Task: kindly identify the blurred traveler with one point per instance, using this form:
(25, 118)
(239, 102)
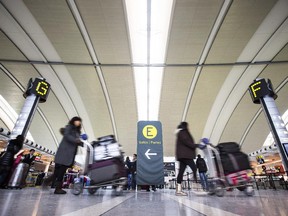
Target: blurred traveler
(185, 154)
(133, 171)
(7, 158)
(202, 169)
(66, 153)
(129, 175)
(152, 186)
(29, 158)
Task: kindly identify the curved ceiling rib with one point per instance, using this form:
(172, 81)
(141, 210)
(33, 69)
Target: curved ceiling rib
(266, 43)
(21, 28)
(218, 22)
(75, 11)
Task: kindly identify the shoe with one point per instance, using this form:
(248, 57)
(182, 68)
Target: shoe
(58, 188)
(179, 191)
(59, 191)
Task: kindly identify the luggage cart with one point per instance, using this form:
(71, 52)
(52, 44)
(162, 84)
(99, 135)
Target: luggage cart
(218, 182)
(117, 182)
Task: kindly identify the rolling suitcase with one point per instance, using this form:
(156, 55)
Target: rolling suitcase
(17, 179)
(108, 170)
(106, 150)
(228, 147)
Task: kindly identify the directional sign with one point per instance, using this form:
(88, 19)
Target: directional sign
(150, 168)
(147, 154)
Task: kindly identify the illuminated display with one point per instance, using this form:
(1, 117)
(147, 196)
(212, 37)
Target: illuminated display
(261, 88)
(38, 87)
(42, 88)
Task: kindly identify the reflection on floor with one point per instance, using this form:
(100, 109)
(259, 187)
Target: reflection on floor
(33, 201)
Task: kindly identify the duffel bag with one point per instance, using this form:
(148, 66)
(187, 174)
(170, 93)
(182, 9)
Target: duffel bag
(228, 147)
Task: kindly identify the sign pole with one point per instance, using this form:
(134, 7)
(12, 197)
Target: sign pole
(150, 165)
(37, 91)
(262, 92)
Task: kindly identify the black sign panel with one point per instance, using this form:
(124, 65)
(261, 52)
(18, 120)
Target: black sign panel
(38, 87)
(260, 88)
(150, 153)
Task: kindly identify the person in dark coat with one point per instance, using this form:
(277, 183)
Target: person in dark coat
(129, 175)
(133, 170)
(66, 153)
(185, 154)
(202, 169)
(7, 159)
(29, 158)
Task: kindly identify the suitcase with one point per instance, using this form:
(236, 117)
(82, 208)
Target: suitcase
(18, 177)
(227, 164)
(242, 160)
(235, 162)
(108, 170)
(228, 147)
(104, 152)
(107, 138)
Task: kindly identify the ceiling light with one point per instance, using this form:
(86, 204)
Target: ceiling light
(148, 30)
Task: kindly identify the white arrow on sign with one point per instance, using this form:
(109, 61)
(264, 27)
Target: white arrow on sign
(148, 154)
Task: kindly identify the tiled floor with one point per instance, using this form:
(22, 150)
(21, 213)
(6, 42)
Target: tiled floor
(33, 201)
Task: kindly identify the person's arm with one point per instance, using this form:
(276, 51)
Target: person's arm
(187, 140)
(70, 138)
(20, 152)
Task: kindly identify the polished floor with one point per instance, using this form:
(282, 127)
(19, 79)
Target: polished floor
(35, 202)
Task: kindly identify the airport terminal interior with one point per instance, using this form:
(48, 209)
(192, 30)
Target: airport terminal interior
(135, 72)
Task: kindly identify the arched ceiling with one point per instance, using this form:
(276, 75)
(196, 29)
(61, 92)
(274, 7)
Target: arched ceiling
(215, 49)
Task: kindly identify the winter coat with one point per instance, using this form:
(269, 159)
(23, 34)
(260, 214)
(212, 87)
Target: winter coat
(68, 146)
(185, 146)
(7, 158)
(201, 165)
(28, 160)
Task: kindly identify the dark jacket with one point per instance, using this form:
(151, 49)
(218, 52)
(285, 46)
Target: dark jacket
(68, 146)
(201, 165)
(28, 160)
(133, 167)
(7, 158)
(185, 146)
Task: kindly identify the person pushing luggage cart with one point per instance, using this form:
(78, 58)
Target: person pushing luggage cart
(66, 153)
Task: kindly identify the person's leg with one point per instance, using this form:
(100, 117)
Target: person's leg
(133, 182)
(192, 165)
(3, 176)
(59, 179)
(202, 179)
(129, 181)
(182, 167)
(205, 181)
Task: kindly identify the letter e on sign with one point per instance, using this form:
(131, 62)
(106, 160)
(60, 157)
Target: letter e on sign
(149, 132)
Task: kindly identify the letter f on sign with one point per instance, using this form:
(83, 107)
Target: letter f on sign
(254, 88)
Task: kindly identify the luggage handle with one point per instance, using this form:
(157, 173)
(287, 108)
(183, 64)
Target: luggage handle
(87, 145)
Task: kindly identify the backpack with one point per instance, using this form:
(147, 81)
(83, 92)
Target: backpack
(201, 165)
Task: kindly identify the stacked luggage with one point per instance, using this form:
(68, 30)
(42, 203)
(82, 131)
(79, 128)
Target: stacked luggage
(234, 162)
(106, 148)
(108, 162)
